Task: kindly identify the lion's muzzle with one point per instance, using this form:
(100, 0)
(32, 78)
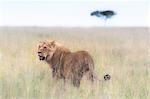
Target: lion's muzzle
(41, 57)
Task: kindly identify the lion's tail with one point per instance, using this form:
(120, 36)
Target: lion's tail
(91, 74)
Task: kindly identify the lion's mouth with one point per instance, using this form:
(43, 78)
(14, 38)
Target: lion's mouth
(41, 57)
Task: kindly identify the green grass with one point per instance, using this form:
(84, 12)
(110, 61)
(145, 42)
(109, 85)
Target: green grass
(124, 53)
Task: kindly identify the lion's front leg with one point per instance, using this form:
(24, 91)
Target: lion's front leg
(56, 74)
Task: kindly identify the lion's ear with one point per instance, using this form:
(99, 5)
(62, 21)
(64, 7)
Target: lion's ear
(39, 43)
(42, 42)
(53, 43)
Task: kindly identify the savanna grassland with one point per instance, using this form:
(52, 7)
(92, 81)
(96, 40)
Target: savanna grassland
(124, 53)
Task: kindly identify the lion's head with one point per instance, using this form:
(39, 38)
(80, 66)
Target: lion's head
(46, 50)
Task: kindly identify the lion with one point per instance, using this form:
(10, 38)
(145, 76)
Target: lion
(65, 64)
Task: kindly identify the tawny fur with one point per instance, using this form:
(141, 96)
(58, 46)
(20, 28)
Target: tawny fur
(68, 65)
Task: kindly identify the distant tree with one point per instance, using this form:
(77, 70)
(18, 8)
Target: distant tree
(106, 14)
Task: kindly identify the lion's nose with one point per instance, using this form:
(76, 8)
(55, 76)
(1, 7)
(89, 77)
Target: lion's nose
(39, 52)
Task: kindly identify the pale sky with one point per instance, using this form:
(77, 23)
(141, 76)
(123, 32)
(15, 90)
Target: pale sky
(72, 13)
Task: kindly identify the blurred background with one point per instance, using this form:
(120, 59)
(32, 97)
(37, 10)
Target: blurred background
(75, 13)
(119, 44)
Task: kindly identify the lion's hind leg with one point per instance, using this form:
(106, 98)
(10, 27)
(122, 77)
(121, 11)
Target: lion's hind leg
(77, 79)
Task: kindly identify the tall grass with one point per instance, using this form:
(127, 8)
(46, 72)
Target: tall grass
(124, 53)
